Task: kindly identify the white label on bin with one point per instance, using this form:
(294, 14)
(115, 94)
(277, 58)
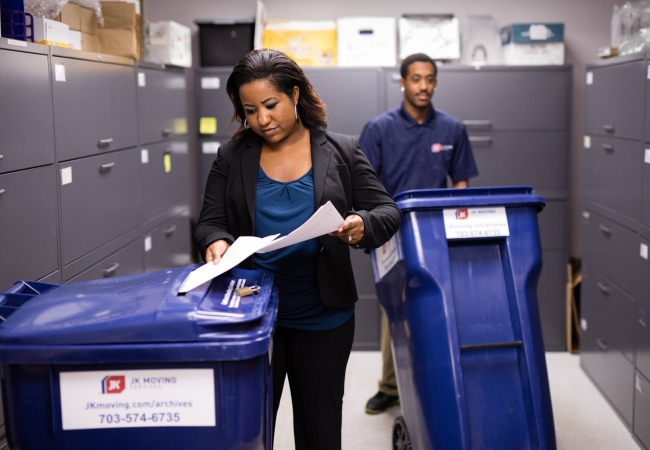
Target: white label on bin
(648, 72)
(590, 78)
(467, 223)
(583, 324)
(66, 176)
(587, 142)
(142, 79)
(59, 72)
(211, 147)
(643, 251)
(210, 83)
(647, 156)
(386, 257)
(144, 156)
(137, 399)
(147, 243)
(639, 384)
(18, 43)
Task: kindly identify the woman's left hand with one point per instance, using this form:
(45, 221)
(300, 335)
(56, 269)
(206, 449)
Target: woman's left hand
(351, 232)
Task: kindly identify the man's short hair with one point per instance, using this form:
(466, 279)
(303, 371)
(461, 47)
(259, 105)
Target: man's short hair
(417, 57)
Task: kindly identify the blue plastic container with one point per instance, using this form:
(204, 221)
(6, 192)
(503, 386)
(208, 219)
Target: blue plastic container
(464, 322)
(134, 337)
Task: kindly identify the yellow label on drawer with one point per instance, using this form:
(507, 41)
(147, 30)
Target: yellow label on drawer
(167, 159)
(208, 125)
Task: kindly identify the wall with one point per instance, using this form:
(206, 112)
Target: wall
(587, 27)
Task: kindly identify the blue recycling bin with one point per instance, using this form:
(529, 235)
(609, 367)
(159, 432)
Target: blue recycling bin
(458, 284)
(128, 363)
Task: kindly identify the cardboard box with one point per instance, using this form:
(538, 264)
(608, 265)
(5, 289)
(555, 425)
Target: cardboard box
(119, 42)
(310, 44)
(74, 37)
(550, 54)
(89, 24)
(526, 33)
(71, 15)
(119, 15)
(50, 31)
(90, 43)
(168, 43)
(366, 41)
(434, 35)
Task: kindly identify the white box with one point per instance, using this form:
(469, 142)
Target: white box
(439, 38)
(74, 38)
(168, 43)
(521, 54)
(366, 41)
(50, 30)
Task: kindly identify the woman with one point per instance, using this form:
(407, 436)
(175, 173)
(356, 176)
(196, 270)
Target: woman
(279, 167)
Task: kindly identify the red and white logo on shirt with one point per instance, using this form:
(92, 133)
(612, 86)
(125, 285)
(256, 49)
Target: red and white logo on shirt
(437, 148)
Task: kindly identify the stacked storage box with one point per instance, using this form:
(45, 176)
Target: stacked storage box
(615, 343)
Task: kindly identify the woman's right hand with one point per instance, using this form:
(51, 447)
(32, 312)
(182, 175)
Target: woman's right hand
(215, 251)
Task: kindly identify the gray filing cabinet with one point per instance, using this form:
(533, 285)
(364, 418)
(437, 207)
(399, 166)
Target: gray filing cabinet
(517, 119)
(616, 236)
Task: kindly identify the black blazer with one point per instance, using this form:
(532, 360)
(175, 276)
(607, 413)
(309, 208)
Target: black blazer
(342, 175)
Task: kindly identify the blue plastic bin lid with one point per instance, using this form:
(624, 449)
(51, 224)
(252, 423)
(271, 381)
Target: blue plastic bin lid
(139, 318)
(435, 199)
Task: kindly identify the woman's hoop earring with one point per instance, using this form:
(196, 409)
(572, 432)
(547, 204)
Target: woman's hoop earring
(246, 126)
(401, 89)
(295, 109)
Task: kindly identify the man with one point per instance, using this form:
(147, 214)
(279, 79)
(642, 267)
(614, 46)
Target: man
(414, 146)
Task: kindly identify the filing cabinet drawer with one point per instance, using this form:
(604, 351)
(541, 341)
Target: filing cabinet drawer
(95, 108)
(28, 225)
(213, 101)
(613, 174)
(161, 104)
(27, 125)
(642, 330)
(615, 252)
(164, 177)
(609, 369)
(100, 203)
(168, 246)
(615, 100)
(351, 95)
(642, 409)
(553, 223)
(515, 159)
(609, 309)
(127, 261)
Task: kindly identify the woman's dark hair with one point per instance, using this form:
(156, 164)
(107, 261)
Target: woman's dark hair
(417, 57)
(284, 74)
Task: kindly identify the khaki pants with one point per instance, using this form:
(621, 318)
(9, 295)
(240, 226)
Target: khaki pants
(388, 382)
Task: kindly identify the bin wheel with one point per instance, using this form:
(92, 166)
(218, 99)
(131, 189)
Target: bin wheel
(401, 438)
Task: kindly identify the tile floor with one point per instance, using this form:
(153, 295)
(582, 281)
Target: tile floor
(583, 418)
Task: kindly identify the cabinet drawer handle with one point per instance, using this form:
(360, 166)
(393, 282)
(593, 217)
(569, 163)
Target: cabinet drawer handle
(2, 191)
(609, 128)
(603, 288)
(605, 230)
(105, 167)
(603, 346)
(111, 270)
(478, 123)
(642, 322)
(167, 131)
(104, 142)
(608, 147)
(170, 230)
(481, 140)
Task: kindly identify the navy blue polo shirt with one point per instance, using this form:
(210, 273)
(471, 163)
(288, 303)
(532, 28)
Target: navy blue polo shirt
(407, 155)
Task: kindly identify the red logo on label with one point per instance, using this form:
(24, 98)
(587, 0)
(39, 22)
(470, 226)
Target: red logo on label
(436, 148)
(462, 214)
(114, 384)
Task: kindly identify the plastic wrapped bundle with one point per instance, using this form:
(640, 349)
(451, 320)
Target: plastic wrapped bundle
(49, 9)
(628, 19)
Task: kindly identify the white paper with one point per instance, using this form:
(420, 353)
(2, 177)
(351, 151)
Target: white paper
(647, 156)
(137, 399)
(326, 220)
(59, 72)
(643, 251)
(467, 223)
(590, 78)
(211, 148)
(147, 243)
(210, 83)
(144, 156)
(142, 79)
(587, 142)
(66, 176)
